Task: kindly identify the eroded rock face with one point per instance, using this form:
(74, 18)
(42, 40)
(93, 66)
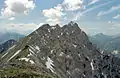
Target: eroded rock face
(65, 52)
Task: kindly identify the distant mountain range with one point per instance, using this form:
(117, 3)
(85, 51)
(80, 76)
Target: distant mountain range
(7, 40)
(7, 36)
(57, 52)
(100, 40)
(5, 46)
(106, 42)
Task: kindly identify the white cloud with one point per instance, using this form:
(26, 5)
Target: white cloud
(12, 18)
(15, 7)
(109, 22)
(6, 12)
(112, 9)
(73, 4)
(53, 21)
(117, 16)
(93, 28)
(93, 1)
(112, 28)
(114, 24)
(54, 14)
(21, 28)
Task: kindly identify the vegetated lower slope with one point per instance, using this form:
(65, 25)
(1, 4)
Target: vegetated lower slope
(58, 52)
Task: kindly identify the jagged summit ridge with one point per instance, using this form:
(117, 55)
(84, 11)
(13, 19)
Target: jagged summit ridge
(47, 33)
(64, 52)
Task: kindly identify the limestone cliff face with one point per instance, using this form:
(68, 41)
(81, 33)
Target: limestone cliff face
(63, 52)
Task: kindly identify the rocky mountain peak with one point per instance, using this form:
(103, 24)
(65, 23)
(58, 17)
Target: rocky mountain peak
(62, 52)
(71, 23)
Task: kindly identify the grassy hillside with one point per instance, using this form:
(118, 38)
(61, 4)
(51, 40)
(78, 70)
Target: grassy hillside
(21, 73)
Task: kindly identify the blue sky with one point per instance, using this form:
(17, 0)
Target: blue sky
(93, 16)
